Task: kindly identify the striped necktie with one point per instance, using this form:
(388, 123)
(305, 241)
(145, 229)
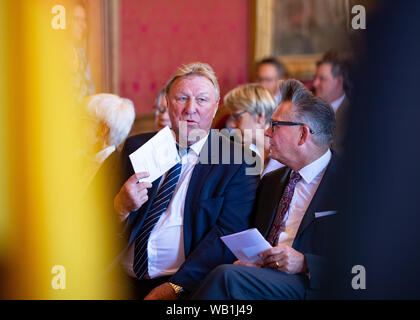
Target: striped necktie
(159, 206)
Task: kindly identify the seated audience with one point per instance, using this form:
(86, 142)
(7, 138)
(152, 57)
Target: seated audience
(331, 83)
(294, 207)
(174, 224)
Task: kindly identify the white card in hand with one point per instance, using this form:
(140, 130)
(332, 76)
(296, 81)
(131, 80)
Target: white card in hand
(246, 245)
(156, 156)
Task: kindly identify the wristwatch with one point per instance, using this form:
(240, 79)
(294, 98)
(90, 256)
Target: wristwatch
(178, 289)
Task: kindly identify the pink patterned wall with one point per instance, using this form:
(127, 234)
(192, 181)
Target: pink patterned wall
(158, 36)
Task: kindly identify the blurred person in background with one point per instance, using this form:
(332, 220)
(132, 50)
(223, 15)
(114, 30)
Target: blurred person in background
(161, 111)
(270, 71)
(251, 107)
(110, 122)
(82, 76)
(331, 83)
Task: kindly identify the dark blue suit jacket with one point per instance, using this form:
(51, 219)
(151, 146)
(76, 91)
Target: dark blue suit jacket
(219, 201)
(314, 236)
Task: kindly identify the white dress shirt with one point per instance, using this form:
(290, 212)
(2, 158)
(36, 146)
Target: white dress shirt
(272, 165)
(336, 103)
(304, 192)
(165, 248)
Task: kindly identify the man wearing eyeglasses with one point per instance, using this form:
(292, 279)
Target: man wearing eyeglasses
(295, 207)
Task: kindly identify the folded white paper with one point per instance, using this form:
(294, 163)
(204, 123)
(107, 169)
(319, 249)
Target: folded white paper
(156, 156)
(246, 245)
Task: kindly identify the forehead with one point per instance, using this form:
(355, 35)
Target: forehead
(192, 84)
(267, 69)
(283, 112)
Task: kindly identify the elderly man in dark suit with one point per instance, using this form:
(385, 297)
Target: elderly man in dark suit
(295, 207)
(174, 224)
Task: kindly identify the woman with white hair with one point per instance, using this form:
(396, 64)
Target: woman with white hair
(111, 119)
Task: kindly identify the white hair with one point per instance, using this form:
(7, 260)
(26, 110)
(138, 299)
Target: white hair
(115, 113)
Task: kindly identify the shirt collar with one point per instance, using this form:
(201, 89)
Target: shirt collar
(313, 169)
(197, 146)
(336, 103)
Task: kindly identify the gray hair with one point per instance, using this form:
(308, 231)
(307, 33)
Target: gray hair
(311, 110)
(195, 68)
(253, 98)
(114, 112)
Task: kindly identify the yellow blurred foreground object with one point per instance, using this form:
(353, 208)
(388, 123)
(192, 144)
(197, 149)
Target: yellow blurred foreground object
(53, 245)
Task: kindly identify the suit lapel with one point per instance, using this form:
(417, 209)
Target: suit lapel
(322, 199)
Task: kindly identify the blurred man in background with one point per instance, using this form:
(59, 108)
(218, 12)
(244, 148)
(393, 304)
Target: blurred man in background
(269, 73)
(331, 83)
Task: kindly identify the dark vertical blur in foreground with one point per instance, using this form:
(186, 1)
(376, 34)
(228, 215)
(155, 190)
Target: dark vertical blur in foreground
(379, 228)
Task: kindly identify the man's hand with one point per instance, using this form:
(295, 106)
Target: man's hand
(284, 258)
(133, 195)
(248, 264)
(162, 292)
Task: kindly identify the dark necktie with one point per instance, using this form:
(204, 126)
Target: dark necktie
(159, 206)
(278, 224)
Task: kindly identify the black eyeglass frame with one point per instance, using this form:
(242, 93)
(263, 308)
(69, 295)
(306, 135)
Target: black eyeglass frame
(288, 123)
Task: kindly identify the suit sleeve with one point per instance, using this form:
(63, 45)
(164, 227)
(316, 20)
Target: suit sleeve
(235, 216)
(316, 266)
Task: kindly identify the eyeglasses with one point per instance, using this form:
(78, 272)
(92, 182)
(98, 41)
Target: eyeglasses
(288, 123)
(236, 116)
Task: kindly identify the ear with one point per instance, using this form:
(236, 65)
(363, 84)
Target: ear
(304, 135)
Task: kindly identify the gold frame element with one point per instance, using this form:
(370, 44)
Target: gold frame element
(111, 34)
(301, 67)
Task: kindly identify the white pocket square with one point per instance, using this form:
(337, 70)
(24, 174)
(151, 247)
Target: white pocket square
(324, 213)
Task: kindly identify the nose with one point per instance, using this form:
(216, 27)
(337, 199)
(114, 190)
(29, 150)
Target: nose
(190, 106)
(267, 132)
(316, 82)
